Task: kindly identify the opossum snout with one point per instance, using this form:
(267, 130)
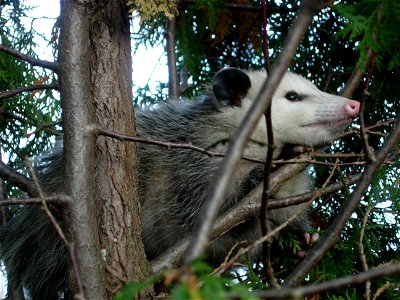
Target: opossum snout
(351, 108)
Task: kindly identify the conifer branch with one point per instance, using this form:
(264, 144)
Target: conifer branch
(13, 116)
(11, 93)
(33, 61)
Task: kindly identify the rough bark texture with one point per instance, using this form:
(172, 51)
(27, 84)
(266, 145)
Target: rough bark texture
(116, 182)
(78, 116)
(95, 62)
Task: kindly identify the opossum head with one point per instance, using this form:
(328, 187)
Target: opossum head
(301, 113)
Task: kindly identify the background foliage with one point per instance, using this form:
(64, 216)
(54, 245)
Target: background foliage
(27, 120)
(212, 34)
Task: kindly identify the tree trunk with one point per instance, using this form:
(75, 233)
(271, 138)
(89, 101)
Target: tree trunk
(116, 180)
(95, 60)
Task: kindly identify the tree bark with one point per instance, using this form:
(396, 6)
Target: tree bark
(103, 219)
(116, 167)
(78, 117)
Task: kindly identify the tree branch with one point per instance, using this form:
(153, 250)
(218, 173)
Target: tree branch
(367, 150)
(18, 180)
(36, 62)
(171, 58)
(253, 8)
(363, 258)
(356, 76)
(57, 199)
(10, 115)
(8, 94)
(265, 228)
(168, 145)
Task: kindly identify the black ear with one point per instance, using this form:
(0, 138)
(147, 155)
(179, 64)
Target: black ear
(231, 86)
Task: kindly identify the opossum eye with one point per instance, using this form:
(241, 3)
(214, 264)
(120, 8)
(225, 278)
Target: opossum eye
(293, 96)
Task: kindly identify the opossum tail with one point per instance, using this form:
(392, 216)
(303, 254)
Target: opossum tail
(33, 254)
(30, 248)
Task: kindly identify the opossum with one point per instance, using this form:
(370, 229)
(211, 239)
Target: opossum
(174, 184)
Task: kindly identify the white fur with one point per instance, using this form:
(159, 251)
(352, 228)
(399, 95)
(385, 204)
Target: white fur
(315, 120)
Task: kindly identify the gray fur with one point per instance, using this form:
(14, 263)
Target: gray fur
(174, 184)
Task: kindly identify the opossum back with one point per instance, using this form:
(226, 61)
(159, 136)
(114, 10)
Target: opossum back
(173, 184)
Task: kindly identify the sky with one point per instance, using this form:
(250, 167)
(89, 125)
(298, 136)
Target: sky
(149, 64)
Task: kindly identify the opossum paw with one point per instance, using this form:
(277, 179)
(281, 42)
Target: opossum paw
(291, 151)
(298, 149)
(308, 240)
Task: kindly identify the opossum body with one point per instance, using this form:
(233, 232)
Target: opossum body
(174, 184)
(173, 195)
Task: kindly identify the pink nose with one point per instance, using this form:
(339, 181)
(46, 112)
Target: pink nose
(352, 108)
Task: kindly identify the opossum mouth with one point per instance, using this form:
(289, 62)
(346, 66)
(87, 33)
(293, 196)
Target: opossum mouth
(331, 123)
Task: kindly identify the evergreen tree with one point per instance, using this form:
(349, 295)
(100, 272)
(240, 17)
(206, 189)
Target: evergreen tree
(351, 40)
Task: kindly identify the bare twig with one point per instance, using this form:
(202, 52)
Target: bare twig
(265, 228)
(336, 155)
(200, 238)
(11, 93)
(265, 35)
(368, 128)
(168, 145)
(36, 62)
(363, 259)
(57, 199)
(3, 197)
(171, 57)
(367, 150)
(356, 76)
